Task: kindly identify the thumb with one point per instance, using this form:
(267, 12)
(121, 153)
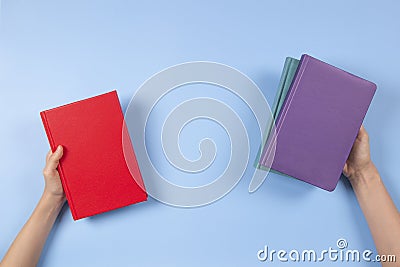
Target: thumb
(55, 158)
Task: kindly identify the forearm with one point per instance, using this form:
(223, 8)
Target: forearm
(28, 245)
(379, 210)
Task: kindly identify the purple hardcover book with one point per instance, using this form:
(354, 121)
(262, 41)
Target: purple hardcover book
(319, 122)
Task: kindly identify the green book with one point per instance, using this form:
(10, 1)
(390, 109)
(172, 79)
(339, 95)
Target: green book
(287, 76)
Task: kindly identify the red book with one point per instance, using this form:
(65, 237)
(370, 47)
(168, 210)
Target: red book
(94, 169)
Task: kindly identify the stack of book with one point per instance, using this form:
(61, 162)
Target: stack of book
(318, 112)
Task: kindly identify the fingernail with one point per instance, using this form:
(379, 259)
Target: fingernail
(59, 148)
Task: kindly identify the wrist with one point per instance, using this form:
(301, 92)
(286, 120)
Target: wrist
(364, 177)
(56, 199)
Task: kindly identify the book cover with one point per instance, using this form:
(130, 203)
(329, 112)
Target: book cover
(318, 122)
(93, 170)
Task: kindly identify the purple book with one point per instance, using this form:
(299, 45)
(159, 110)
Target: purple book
(319, 122)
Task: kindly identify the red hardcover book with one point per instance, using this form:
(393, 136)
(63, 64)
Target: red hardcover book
(93, 170)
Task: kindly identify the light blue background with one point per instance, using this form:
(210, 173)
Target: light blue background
(55, 52)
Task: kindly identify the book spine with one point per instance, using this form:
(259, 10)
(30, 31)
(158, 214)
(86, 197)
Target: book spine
(53, 147)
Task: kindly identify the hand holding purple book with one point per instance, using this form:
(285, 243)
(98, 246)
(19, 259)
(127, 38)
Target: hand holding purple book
(318, 123)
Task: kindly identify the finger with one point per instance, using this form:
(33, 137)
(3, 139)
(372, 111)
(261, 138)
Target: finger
(48, 155)
(362, 129)
(362, 133)
(344, 171)
(55, 158)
